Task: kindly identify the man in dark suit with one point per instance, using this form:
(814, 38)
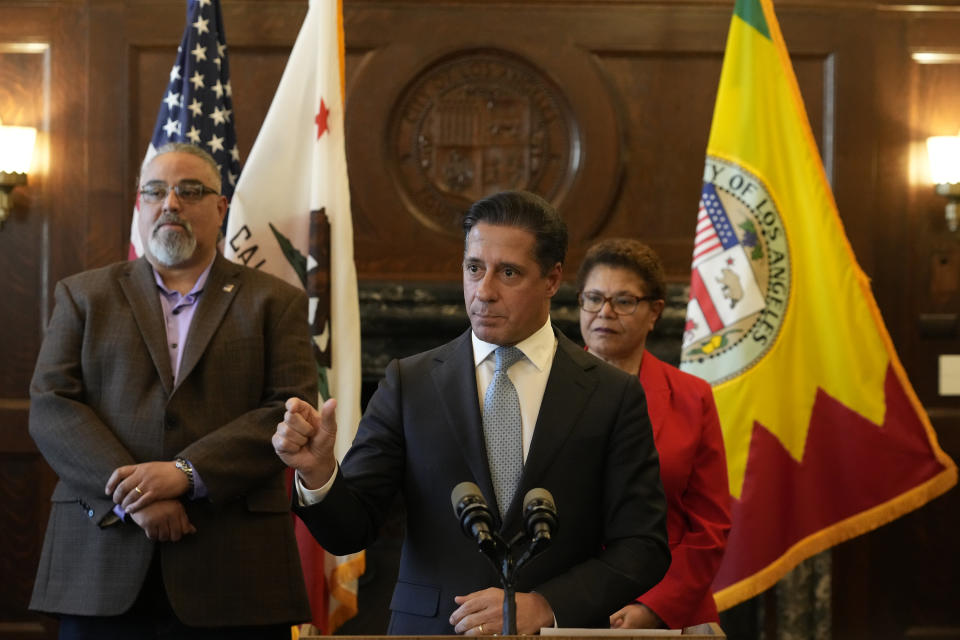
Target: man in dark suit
(156, 391)
(584, 433)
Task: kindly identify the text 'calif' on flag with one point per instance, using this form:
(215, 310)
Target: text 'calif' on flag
(197, 107)
(291, 217)
(825, 437)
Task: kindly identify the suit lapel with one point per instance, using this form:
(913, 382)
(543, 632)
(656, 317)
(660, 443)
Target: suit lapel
(140, 288)
(565, 395)
(455, 379)
(221, 288)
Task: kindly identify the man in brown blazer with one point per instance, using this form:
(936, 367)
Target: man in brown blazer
(156, 391)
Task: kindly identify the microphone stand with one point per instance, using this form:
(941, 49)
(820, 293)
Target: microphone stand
(498, 553)
(476, 521)
(501, 558)
(508, 575)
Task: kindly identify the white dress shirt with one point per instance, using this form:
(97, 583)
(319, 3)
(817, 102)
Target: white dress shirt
(528, 375)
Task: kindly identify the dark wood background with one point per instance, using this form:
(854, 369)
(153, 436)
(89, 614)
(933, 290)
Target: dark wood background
(637, 80)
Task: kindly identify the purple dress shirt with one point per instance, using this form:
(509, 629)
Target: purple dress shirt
(178, 313)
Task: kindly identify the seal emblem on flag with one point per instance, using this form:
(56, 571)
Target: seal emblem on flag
(740, 275)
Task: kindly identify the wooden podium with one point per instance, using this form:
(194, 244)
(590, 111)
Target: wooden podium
(709, 631)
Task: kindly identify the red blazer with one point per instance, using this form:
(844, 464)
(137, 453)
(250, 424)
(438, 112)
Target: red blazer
(693, 468)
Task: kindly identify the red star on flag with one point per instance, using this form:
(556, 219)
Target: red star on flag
(321, 119)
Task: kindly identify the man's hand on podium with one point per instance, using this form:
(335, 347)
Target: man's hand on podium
(481, 613)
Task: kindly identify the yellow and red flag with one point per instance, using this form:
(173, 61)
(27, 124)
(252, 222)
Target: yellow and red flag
(825, 437)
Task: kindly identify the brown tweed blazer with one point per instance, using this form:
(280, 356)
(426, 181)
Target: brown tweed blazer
(102, 396)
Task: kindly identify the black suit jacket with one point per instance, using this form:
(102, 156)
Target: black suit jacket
(592, 448)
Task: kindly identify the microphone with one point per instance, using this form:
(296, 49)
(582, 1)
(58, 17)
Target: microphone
(476, 521)
(540, 515)
(474, 515)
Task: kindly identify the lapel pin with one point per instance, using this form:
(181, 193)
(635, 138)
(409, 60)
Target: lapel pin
(228, 288)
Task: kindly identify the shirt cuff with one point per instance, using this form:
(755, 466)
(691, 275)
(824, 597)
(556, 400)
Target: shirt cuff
(307, 497)
(115, 516)
(199, 488)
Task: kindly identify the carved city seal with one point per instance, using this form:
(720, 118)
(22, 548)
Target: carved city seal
(475, 123)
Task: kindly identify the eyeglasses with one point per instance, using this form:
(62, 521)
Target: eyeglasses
(187, 190)
(622, 304)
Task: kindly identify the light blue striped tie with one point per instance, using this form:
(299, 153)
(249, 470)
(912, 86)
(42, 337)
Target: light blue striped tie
(502, 430)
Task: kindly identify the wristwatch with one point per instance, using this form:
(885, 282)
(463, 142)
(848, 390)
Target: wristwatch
(184, 465)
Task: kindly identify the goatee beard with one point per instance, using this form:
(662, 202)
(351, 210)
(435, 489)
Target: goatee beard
(171, 246)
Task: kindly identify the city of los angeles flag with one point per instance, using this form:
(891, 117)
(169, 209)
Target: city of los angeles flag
(825, 437)
(290, 216)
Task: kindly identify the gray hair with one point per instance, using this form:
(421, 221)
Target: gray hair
(186, 147)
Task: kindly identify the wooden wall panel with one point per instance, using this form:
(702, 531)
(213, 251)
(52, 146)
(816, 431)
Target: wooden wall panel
(661, 189)
(25, 488)
(107, 127)
(41, 85)
(932, 256)
(24, 101)
(897, 581)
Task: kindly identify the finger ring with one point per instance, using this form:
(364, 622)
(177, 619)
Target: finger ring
(481, 629)
(137, 489)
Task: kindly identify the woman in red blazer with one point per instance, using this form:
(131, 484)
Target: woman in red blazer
(622, 292)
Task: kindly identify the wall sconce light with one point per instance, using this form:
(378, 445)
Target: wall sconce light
(16, 154)
(944, 154)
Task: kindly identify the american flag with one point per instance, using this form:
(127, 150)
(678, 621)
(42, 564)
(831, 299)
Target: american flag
(198, 107)
(714, 231)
